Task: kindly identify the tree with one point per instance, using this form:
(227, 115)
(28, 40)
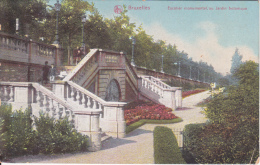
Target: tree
(29, 12)
(231, 136)
(223, 81)
(236, 61)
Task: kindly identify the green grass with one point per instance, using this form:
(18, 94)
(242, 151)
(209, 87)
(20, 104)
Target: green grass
(141, 122)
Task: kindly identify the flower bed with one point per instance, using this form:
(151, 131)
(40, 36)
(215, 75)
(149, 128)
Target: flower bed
(148, 111)
(188, 93)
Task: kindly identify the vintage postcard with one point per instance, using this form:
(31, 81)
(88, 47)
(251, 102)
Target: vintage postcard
(129, 82)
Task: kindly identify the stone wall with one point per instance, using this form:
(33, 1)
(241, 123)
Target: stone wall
(20, 72)
(176, 81)
(105, 76)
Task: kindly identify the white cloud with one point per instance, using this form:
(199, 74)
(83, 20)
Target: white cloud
(206, 47)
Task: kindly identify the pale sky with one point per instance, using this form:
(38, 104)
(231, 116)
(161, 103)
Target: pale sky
(208, 35)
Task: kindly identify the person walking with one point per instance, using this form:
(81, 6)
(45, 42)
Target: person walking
(45, 73)
(52, 73)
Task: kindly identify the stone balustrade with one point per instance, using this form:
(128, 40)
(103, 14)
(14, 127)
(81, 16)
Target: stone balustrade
(112, 113)
(15, 48)
(158, 82)
(38, 100)
(159, 92)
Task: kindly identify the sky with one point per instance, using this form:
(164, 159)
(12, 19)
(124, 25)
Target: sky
(208, 35)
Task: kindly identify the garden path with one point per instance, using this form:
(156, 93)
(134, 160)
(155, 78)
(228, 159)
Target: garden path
(136, 147)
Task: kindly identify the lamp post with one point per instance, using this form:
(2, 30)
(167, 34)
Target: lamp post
(198, 74)
(179, 69)
(83, 20)
(133, 45)
(17, 26)
(57, 9)
(162, 65)
(190, 72)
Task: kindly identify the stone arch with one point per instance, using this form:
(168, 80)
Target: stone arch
(113, 92)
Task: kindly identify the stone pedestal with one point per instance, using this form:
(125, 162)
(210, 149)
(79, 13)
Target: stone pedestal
(87, 123)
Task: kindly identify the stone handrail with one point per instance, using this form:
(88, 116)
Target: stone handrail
(80, 65)
(39, 98)
(160, 92)
(158, 82)
(112, 120)
(131, 69)
(152, 86)
(83, 96)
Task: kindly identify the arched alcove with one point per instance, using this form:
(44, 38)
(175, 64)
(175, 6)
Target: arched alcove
(113, 91)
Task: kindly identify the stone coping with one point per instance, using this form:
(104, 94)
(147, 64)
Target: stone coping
(95, 97)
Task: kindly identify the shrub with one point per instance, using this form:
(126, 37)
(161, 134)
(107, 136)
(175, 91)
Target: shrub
(166, 150)
(232, 134)
(58, 136)
(17, 136)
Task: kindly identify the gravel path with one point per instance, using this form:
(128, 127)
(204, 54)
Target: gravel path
(135, 148)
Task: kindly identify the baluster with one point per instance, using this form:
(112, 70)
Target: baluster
(72, 93)
(38, 98)
(99, 106)
(100, 109)
(54, 105)
(89, 103)
(69, 114)
(57, 111)
(152, 87)
(51, 107)
(143, 83)
(94, 104)
(63, 112)
(161, 92)
(83, 101)
(11, 94)
(78, 96)
(5, 93)
(45, 103)
(1, 93)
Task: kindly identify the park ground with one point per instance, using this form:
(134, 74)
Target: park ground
(135, 148)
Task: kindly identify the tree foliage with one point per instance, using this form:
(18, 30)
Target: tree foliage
(236, 61)
(232, 134)
(114, 34)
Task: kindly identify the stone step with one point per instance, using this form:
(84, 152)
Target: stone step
(104, 136)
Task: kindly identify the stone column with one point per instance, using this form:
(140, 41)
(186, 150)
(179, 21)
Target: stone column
(121, 125)
(95, 134)
(113, 122)
(179, 96)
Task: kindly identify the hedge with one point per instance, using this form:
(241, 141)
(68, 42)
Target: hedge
(166, 149)
(141, 122)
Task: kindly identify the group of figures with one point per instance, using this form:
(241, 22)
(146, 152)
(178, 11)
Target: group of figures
(77, 55)
(48, 73)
